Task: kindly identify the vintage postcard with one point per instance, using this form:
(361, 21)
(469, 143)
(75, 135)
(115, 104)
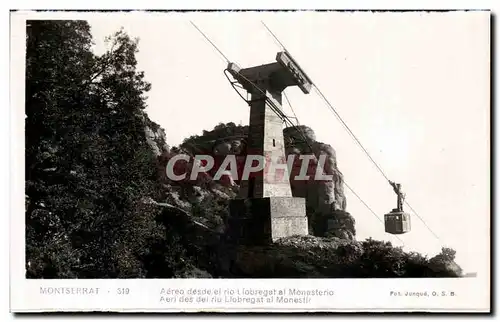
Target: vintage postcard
(250, 161)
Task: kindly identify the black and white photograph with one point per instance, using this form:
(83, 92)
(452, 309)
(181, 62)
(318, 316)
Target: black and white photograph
(253, 149)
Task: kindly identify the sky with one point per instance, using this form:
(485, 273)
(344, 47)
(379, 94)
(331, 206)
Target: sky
(414, 88)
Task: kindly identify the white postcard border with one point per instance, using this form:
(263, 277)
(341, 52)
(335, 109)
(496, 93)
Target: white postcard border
(359, 295)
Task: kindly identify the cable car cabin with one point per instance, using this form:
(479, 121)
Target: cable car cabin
(397, 222)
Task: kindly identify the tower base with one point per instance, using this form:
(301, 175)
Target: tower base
(260, 221)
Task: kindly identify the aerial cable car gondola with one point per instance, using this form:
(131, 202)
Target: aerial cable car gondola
(397, 221)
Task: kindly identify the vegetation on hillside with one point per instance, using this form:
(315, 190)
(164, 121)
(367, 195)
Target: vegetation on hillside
(87, 164)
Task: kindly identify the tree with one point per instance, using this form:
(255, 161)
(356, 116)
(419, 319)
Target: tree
(443, 264)
(88, 165)
(58, 61)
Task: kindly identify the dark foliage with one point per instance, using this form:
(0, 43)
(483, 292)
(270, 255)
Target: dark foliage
(87, 162)
(382, 259)
(295, 257)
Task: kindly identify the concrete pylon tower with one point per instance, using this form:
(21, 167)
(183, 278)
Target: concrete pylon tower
(265, 209)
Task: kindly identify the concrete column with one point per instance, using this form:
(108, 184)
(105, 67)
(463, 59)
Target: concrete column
(265, 138)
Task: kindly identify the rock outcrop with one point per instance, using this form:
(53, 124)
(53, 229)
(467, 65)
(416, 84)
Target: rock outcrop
(325, 198)
(323, 195)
